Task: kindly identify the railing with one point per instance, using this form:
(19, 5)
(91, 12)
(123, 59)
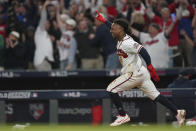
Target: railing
(64, 73)
(54, 106)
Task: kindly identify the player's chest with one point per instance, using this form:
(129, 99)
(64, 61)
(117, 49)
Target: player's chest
(121, 52)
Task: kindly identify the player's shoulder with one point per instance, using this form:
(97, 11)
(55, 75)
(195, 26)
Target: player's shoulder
(127, 39)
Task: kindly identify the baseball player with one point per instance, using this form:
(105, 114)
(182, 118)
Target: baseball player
(134, 74)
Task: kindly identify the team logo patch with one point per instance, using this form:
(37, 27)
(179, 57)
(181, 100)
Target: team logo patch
(121, 53)
(36, 110)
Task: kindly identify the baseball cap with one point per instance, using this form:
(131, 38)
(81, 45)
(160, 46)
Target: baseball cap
(16, 34)
(64, 17)
(71, 22)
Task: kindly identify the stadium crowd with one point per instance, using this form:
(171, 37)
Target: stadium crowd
(63, 34)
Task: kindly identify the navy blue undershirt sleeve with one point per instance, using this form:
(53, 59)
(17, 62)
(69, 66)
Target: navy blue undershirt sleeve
(143, 52)
(108, 24)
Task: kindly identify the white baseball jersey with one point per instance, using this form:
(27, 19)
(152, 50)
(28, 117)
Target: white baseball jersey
(127, 50)
(134, 74)
(158, 49)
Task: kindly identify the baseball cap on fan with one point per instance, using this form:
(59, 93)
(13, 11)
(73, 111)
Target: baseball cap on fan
(64, 17)
(16, 34)
(71, 22)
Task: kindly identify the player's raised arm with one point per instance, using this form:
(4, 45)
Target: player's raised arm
(100, 18)
(143, 52)
(135, 32)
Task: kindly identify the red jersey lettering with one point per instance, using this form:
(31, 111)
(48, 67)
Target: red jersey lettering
(151, 42)
(121, 53)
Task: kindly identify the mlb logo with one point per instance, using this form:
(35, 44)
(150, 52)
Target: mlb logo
(36, 110)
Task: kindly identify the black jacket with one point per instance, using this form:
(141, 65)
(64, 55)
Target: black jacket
(14, 57)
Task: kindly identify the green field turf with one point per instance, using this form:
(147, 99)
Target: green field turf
(97, 128)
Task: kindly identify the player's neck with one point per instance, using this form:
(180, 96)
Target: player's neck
(121, 36)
